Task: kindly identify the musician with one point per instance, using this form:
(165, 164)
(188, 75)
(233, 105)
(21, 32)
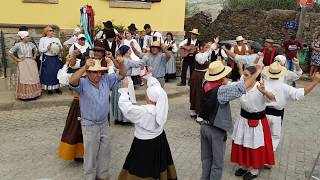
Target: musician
(190, 45)
(150, 37)
(240, 49)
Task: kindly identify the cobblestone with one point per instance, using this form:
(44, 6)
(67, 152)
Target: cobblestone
(30, 138)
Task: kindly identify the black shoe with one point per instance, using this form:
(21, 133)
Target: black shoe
(240, 172)
(193, 116)
(293, 84)
(116, 122)
(249, 176)
(80, 160)
(58, 91)
(181, 84)
(49, 92)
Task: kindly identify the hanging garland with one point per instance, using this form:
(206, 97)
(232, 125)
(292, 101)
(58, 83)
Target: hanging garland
(87, 23)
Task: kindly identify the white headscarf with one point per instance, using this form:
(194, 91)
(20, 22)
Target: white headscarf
(23, 34)
(282, 59)
(157, 94)
(76, 30)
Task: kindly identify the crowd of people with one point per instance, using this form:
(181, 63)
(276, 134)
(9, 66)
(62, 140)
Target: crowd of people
(103, 78)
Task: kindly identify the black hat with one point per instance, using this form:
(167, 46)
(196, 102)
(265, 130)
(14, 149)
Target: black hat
(110, 33)
(108, 24)
(132, 27)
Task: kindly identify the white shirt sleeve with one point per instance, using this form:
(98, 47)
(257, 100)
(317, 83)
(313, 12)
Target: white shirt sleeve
(174, 48)
(224, 54)
(184, 42)
(292, 76)
(294, 94)
(71, 49)
(42, 45)
(132, 112)
(244, 59)
(201, 58)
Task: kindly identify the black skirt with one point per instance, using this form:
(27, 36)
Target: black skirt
(149, 159)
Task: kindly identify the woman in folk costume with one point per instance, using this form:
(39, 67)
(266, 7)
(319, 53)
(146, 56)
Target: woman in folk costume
(50, 47)
(71, 145)
(28, 83)
(251, 139)
(125, 53)
(171, 64)
(196, 91)
(150, 155)
(135, 55)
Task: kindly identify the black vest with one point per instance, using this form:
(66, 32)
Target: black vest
(210, 105)
(113, 47)
(189, 42)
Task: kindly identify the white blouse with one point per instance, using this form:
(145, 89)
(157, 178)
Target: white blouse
(45, 42)
(283, 93)
(144, 117)
(253, 101)
(201, 58)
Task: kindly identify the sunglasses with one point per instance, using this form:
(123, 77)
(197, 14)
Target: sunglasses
(51, 30)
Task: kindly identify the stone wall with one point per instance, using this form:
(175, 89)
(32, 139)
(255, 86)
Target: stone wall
(252, 24)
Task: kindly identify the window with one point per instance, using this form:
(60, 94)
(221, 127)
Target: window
(135, 4)
(41, 1)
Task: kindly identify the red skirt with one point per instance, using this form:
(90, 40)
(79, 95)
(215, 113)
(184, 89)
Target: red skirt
(255, 158)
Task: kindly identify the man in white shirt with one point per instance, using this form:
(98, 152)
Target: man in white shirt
(252, 59)
(189, 58)
(283, 94)
(150, 36)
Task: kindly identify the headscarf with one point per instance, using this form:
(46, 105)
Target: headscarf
(123, 49)
(157, 94)
(23, 34)
(281, 58)
(76, 30)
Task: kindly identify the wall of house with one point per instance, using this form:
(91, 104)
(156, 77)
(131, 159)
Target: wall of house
(167, 15)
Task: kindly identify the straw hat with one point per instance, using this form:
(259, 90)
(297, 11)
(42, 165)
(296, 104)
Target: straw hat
(239, 38)
(195, 31)
(155, 44)
(275, 71)
(216, 71)
(269, 41)
(97, 66)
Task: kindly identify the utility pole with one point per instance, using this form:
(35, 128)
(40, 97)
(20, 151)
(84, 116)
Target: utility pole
(299, 35)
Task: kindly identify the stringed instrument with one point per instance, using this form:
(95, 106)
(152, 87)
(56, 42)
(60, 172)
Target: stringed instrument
(189, 50)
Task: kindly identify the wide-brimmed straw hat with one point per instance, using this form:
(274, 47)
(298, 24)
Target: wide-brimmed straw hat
(239, 38)
(195, 31)
(275, 71)
(216, 71)
(97, 66)
(155, 44)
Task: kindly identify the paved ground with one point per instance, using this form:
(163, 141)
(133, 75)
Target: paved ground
(29, 140)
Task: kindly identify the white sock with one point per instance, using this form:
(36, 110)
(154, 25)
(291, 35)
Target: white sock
(254, 171)
(192, 113)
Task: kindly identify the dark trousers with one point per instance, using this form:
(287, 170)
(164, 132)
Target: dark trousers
(187, 62)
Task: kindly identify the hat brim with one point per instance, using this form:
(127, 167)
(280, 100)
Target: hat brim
(239, 40)
(266, 72)
(194, 33)
(226, 71)
(98, 49)
(155, 47)
(97, 69)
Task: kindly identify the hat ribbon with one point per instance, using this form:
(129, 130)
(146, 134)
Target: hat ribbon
(218, 72)
(275, 72)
